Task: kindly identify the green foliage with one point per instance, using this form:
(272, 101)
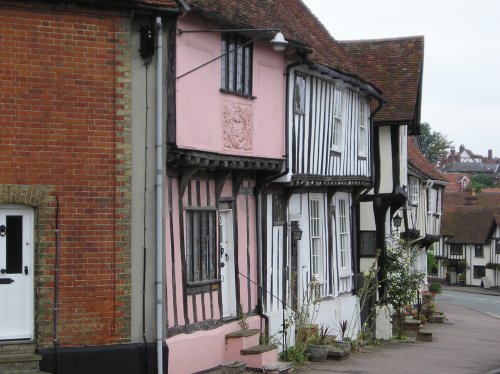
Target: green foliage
(434, 144)
(435, 288)
(481, 181)
(432, 263)
(402, 277)
(295, 354)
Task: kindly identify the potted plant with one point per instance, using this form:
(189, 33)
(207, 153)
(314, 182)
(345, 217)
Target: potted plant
(435, 288)
(317, 348)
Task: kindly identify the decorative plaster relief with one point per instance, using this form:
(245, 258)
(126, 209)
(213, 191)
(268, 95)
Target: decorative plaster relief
(237, 126)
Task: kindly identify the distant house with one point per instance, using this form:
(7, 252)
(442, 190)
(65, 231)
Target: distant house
(469, 249)
(462, 166)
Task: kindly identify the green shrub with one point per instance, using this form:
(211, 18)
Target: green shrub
(435, 288)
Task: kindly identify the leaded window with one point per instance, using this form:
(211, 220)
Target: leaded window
(456, 249)
(201, 249)
(478, 250)
(236, 64)
(479, 271)
(299, 95)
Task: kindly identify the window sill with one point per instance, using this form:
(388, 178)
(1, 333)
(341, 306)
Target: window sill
(240, 94)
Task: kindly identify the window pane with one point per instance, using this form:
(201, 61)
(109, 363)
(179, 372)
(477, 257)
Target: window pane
(14, 244)
(236, 64)
(315, 232)
(201, 250)
(299, 95)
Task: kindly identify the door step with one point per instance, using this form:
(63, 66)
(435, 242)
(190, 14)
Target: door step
(18, 356)
(243, 345)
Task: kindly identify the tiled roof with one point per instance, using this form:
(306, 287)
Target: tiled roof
(160, 4)
(297, 23)
(421, 163)
(483, 199)
(395, 66)
(469, 167)
(471, 224)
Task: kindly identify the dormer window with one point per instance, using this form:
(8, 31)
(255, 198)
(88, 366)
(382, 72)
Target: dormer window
(236, 64)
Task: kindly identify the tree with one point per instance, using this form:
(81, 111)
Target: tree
(434, 144)
(481, 181)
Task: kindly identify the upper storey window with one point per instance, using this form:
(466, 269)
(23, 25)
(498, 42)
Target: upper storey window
(299, 95)
(363, 128)
(236, 64)
(413, 191)
(338, 121)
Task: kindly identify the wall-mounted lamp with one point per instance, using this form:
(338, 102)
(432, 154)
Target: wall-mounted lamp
(278, 41)
(396, 221)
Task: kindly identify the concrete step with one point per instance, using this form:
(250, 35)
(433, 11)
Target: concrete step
(424, 335)
(20, 363)
(238, 340)
(337, 354)
(411, 325)
(258, 356)
(278, 367)
(13, 347)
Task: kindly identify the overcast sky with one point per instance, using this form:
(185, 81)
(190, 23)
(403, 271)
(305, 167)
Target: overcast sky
(461, 87)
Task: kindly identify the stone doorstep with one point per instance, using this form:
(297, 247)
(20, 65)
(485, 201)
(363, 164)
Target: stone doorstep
(424, 336)
(232, 367)
(10, 347)
(242, 333)
(337, 354)
(28, 357)
(278, 367)
(258, 349)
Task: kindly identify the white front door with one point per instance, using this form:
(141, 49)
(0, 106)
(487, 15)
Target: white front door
(228, 285)
(16, 272)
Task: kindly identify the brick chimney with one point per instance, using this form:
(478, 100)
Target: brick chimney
(490, 154)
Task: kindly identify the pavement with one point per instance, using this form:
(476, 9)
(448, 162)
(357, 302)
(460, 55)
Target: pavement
(474, 289)
(467, 343)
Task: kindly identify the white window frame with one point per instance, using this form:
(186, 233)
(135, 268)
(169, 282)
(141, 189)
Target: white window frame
(337, 138)
(362, 127)
(316, 240)
(413, 191)
(343, 228)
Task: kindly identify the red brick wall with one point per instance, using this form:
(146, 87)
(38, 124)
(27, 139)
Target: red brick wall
(61, 119)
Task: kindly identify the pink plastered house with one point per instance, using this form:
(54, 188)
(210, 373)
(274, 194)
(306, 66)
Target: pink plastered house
(224, 134)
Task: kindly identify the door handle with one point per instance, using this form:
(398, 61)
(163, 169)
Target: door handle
(26, 270)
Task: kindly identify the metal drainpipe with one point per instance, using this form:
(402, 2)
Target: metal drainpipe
(56, 289)
(159, 196)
